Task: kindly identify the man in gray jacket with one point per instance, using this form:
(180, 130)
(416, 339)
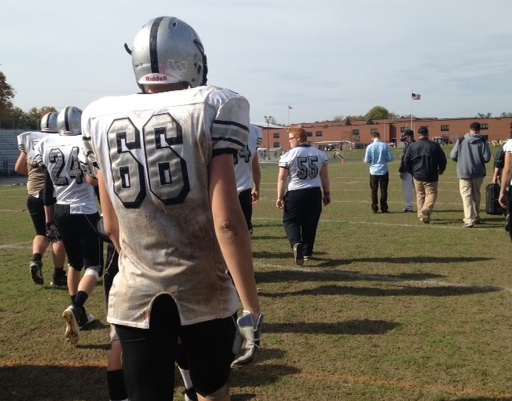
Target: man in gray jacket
(471, 153)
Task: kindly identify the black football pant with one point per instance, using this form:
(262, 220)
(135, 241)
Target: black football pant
(375, 182)
(302, 209)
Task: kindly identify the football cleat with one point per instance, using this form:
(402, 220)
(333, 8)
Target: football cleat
(36, 271)
(298, 254)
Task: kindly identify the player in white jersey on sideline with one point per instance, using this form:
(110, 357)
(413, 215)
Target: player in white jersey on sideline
(71, 206)
(248, 174)
(303, 176)
(166, 167)
(35, 188)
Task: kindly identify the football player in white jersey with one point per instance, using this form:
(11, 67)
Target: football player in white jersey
(71, 206)
(248, 174)
(35, 187)
(166, 167)
(302, 177)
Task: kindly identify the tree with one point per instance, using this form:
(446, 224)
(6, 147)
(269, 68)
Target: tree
(376, 113)
(6, 107)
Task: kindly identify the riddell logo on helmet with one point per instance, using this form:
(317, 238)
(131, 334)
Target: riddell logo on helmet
(156, 78)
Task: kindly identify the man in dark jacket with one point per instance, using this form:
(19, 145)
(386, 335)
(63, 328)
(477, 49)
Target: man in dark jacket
(425, 160)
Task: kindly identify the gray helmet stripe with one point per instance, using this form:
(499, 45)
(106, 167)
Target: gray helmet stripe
(153, 54)
(66, 118)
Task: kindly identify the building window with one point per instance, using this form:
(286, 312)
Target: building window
(277, 145)
(276, 135)
(309, 134)
(319, 133)
(373, 130)
(484, 126)
(445, 128)
(355, 132)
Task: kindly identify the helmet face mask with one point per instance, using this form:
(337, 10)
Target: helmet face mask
(49, 122)
(166, 51)
(69, 121)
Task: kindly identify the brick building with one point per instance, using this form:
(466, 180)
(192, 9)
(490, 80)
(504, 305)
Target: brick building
(358, 134)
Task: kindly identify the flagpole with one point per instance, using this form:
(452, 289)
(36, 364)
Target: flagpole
(411, 111)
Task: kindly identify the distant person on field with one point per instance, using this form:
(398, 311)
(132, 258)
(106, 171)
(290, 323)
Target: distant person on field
(302, 186)
(248, 174)
(27, 142)
(426, 161)
(378, 154)
(471, 153)
(505, 198)
(405, 176)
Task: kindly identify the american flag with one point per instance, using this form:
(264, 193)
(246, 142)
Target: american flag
(416, 96)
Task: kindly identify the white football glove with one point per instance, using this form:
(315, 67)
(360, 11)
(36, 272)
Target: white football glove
(52, 233)
(247, 339)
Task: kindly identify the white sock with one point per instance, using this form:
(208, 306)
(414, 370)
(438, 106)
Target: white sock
(187, 381)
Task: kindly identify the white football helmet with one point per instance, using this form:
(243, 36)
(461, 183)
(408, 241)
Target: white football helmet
(167, 50)
(69, 121)
(49, 122)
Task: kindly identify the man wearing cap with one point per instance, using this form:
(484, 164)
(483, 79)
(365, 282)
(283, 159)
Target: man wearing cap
(406, 177)
(471, 152)
(426, 161)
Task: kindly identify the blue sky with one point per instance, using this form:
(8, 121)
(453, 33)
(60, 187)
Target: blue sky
(325, 58)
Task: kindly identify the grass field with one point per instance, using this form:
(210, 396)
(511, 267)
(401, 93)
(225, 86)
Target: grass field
(389, 309)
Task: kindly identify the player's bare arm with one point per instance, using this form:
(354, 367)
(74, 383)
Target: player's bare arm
(109, 215)
(231, 231)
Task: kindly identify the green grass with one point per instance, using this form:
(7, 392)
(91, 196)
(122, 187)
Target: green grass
(390, 308)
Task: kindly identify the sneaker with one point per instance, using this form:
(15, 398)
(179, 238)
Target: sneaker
(425, 217)
(71, 315)
(408, 210)
(298, 254)
(308, 257)
(190, 394)
(468, 225)
(59, 278)
(36, 271)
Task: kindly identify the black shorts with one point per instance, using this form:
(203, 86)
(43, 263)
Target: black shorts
(149, 354)
(80, 238)
(35, 207)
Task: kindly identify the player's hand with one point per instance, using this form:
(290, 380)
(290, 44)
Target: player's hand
(503, 200)
(247, 338)
(52, 233)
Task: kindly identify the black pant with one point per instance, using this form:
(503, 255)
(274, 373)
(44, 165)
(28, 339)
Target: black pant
(302, 209)
(383, 181)
(149, 354)
(245, 198)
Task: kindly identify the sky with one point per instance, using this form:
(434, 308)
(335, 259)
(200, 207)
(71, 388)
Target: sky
(295, 60)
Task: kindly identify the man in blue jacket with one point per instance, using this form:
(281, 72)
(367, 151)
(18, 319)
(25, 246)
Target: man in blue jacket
(471, 153)
(378, 155)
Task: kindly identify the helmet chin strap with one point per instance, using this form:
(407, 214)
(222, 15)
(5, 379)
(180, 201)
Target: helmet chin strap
(127, 49)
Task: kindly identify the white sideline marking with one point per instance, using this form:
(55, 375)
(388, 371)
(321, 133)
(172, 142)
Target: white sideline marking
(427, 283)
(17, 245)
(430, 226)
